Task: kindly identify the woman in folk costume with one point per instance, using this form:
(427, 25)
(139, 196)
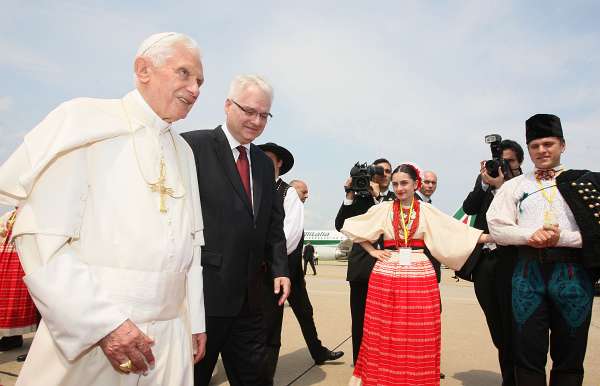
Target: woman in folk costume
(18, 314)
(402, 333)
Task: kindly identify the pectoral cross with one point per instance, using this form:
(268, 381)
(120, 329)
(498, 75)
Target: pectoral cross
(160, 187)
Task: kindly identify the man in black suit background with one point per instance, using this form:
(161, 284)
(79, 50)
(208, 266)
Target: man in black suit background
(243, 234)
(360, 263)
(493, 271)
(309, 257)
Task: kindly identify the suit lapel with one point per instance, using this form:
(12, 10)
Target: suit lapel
(256, 179)
(226, 160)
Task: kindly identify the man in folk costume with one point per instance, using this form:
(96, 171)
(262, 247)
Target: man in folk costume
(551, 215)
(109, 230)
(293, 227)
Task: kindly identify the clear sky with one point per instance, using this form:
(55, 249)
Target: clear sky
(355, 80)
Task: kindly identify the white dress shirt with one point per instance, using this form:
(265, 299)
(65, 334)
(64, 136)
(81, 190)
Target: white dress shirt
(293, 223)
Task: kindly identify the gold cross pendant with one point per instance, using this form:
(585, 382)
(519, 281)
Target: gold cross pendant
(160, 188)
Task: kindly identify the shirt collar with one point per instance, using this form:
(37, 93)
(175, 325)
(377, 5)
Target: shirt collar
(140, 111)
(558, 168)
(233, 143)
(423, 197)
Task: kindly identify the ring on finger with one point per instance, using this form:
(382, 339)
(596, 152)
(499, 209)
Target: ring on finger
(126, 367)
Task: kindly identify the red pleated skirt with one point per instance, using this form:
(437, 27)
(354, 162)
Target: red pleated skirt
(18, 314)
(401, 336)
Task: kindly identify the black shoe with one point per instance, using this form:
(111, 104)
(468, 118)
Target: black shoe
(11, 342)
(442, 375)
(329, 356)
(22, 358)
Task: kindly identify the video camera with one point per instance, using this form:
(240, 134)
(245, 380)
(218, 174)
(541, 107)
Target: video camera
(497, 161)
(361, 178)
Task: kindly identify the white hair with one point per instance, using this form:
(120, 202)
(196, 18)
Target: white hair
(159, 47)
(242, 82)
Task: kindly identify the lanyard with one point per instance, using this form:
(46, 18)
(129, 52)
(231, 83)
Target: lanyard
(549, 197)
(549, 217)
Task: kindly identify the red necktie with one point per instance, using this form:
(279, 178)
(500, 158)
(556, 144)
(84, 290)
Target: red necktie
(243, 167)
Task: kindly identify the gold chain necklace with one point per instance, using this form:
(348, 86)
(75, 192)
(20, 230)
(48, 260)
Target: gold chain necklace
(158, 186)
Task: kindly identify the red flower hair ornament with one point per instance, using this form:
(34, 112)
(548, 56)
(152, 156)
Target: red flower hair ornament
(417, 172)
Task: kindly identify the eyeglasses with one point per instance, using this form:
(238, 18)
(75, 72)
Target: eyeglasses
(251, 113)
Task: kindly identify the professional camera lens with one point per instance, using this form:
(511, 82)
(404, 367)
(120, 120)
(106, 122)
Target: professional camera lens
(492, 167)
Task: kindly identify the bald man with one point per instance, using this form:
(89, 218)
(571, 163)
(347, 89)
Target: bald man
(428, 187)
(301, 189)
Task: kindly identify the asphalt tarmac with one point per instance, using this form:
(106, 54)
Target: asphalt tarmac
(468, 356)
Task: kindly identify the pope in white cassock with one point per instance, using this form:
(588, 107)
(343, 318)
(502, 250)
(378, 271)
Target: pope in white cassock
(109, 230)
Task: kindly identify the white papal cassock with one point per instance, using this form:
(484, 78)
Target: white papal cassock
(96, 249)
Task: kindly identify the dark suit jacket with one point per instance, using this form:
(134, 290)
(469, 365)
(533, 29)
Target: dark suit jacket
(238, 240)
(477, 203)
(309, 252)
(580, 189)
(360, 263)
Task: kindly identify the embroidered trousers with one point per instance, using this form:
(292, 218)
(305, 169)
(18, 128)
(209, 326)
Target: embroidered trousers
(551, 297)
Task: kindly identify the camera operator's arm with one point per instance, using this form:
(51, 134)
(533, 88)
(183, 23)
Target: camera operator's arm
(349, 194)
(474, 201)
(352, 207)
(493, 182)
(374, 189)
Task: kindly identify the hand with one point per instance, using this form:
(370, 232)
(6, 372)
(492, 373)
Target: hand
(545, 237)
(127, 342)
(347, 184)
(555, 234)
(374, 189)
(381, 254)
(495, 182)
(199, 346)
(282, 282)
(485, 239)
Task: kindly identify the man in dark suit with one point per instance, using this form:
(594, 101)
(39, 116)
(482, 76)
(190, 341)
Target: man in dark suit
(243, 234)
(492, 273)
(360, 263)
(309, 257)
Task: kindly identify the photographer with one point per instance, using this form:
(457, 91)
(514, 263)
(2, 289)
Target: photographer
(360, 263)
(492, 272)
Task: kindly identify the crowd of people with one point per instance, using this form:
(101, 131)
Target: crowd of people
(149, 254)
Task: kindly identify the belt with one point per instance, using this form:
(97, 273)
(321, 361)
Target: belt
(414, 244)
(551, 255)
